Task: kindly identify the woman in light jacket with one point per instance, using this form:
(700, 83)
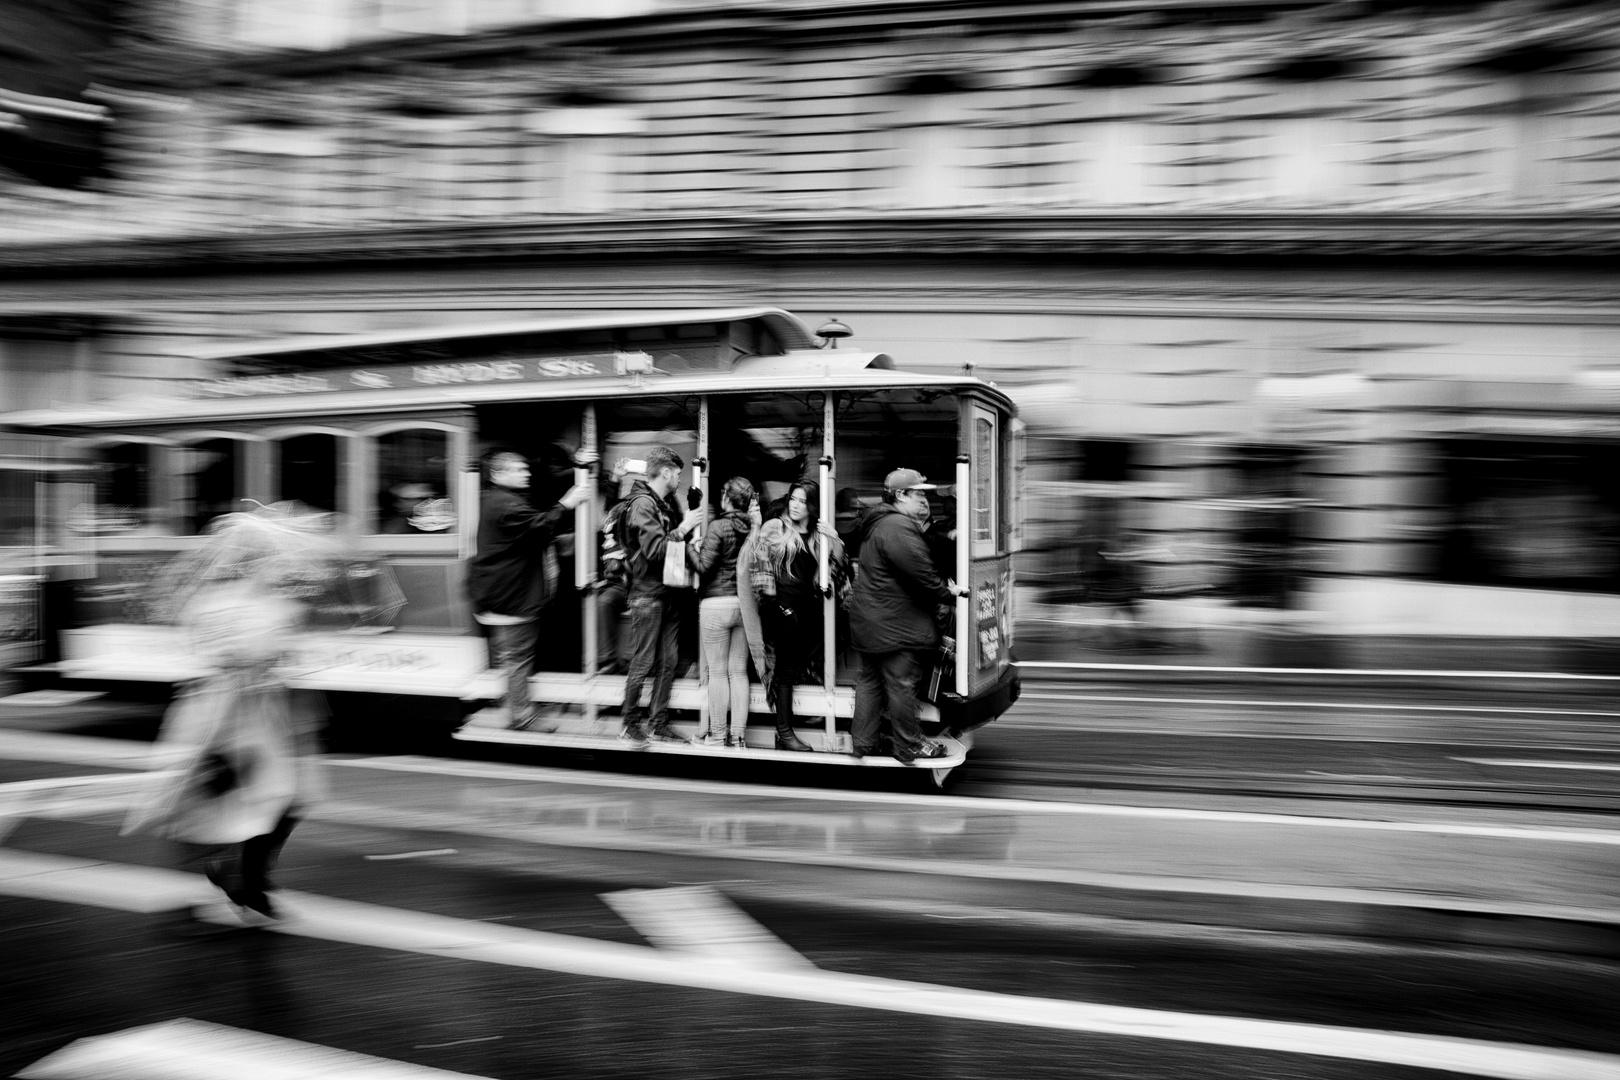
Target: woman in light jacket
(720, 619)
(786, 562)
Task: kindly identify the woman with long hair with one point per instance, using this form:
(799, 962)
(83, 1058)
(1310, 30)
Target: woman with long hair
(720, 619)
(786, 566)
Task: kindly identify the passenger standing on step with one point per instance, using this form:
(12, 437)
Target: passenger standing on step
(651, 519)
(891, 617)
(720, 620)
(514, 574)
(787, 560)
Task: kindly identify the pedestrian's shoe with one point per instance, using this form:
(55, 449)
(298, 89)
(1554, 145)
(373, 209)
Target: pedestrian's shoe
(664, 733)
(635, 735)
(787, 740)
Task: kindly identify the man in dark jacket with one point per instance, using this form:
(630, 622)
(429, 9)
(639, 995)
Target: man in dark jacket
(651, 519)
(891, 616)
(508, 579)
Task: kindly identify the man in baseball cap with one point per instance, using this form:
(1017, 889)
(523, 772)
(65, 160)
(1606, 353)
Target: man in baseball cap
(891, 616)
(907, 480)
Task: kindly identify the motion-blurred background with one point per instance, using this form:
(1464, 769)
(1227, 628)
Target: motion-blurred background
(1309, 306)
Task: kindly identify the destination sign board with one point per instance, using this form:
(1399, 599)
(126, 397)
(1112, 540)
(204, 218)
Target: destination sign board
(449, 373)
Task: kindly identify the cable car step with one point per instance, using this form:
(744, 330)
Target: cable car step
(761, 747)
(607, 691)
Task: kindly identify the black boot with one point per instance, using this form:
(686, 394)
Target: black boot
(787, 740)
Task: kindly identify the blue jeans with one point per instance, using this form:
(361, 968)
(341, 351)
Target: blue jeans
(890, 678)
(512, 651)
(654, 653)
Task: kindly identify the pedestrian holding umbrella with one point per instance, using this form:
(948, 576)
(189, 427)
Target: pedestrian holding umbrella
(240, 739)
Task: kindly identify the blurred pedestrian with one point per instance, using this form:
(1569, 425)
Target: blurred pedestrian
(651, 520)
(239, 738)
(720, 619)
(892, 618)
(515, 572)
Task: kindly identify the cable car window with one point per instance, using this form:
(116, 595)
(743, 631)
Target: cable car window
(207, 473)
(413, 483)
(309, 470)
(984, 463)
(879, 431)
(123, 480)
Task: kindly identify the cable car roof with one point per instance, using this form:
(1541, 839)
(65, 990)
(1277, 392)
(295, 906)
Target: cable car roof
(788, 328)
(815, 369)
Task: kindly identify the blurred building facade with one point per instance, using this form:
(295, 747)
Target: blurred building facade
(1310, 300)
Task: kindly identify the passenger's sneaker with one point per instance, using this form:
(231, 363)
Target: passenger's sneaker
(908, 754)
(635, 735)
(664, 733)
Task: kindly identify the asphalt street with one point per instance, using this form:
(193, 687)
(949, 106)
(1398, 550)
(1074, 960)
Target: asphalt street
(505, 916)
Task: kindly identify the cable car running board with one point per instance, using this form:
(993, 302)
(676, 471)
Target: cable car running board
(955, 750)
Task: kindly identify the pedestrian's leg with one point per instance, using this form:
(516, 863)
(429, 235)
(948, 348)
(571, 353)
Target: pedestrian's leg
(866, 726)
(645, 618)
(259, 856)
(737, 678)
(901, 670)
(714, 633)
(669, 644)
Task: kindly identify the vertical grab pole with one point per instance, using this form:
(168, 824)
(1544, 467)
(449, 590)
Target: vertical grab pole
(585, 539)
(964, 520)
(700, 464)
(829, 603)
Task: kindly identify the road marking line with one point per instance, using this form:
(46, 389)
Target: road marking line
(412, 854)
(961, 806)
(189, 1049)
(1077, 665)
(52, 698)
(704, 924)
(1589, 766)
(75, 881)
(1367, 706)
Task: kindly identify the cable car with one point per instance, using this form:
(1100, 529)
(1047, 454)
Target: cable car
(385, 429)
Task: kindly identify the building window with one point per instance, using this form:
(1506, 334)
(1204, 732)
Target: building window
(1531, 515)
(413, 483)
(583, 158)
(293, 24)
(279, 171)
(933, 151)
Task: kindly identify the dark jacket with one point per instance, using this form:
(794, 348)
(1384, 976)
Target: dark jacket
(715, 560)
(897, 590)
(648, 521)
(508, 574)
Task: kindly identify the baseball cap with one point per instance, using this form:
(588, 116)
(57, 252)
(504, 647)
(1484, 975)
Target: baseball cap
(907, 480)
